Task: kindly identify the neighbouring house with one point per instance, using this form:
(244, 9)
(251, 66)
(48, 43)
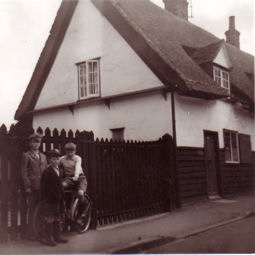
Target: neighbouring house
(128, 69)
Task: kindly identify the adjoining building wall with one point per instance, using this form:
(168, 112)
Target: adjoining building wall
(193, 116)
(90, 36)
(143, 117)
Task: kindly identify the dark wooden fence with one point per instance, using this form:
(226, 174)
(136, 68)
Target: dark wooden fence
(131, 180)
(126, 180)
(236, 178)
(191, 173)
(192, 176)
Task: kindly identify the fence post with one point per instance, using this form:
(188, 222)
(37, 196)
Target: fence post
(89, 162)
(169, 164)
(4, 184)
(15, 168)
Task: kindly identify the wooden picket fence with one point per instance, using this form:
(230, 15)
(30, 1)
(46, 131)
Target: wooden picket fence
(131, 180)
(126, 180)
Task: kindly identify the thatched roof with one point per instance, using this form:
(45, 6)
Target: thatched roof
(168, 35)
(205, 54)
(161, 39)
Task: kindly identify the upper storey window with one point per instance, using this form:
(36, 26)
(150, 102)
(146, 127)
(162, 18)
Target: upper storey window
(88, 78)
(221, 77)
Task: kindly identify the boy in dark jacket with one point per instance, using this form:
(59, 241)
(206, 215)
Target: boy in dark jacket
(33, 164)
(52, 193)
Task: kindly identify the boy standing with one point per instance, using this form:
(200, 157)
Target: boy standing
(32, 165)
(52, 193)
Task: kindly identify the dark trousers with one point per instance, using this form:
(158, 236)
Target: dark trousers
(81, 183)
(32, 201)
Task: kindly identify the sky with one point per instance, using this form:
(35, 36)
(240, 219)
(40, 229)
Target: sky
(25, 26)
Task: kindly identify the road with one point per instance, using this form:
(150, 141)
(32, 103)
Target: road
(237, 237)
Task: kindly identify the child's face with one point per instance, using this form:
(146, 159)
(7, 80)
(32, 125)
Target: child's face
(54, 161)
(34, 144)
(70, 153)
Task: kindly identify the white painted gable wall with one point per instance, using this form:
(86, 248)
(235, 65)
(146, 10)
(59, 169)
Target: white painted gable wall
(90, 35)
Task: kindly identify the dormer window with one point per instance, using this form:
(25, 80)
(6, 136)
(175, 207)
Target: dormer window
(221, 77)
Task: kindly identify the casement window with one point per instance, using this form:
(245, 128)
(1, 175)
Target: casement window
(88, 78)
(231, 146)
(221, 77)
(117, 134)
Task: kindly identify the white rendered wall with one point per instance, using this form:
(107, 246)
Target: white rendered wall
(193, 116)
(222, 58)
(145, 118)
(89, 36)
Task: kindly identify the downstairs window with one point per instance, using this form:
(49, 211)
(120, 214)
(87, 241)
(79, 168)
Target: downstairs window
(231, 146)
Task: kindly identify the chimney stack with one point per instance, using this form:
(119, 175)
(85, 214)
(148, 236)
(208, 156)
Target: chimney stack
(177, 7)
(232, 35)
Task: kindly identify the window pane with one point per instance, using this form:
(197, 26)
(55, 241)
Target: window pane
(227, 146)
(90, 66)
(217, 75)
(95, 66)
(82, 79)
(235, 154)
(234, 146)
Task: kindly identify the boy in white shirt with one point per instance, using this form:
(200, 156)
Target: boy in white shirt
(71, 166)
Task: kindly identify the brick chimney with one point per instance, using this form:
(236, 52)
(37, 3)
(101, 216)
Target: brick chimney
(232, 35)
(177, 7)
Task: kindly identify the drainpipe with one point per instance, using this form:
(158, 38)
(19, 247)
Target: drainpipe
(175, 150)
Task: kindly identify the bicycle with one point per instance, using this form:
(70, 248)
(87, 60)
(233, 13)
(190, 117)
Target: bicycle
(74, 217)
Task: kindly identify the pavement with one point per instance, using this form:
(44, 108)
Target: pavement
(136, 235)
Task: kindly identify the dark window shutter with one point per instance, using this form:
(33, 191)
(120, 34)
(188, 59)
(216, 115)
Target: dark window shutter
(245, 148)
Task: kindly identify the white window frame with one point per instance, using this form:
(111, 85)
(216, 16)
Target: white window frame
(221, 77)
(88, 87)
(231, 146)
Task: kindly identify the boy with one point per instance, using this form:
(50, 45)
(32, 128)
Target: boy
(32, 165)
(52, 193)
(74, 176)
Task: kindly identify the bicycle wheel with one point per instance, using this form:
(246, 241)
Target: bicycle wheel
(39, 221)
(81, 219)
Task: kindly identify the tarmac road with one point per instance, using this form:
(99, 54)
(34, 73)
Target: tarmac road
(237, 237)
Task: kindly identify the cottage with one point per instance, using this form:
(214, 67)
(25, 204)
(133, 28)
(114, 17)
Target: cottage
(132, 70)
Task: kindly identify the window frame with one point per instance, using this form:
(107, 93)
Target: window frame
(87, 83)
(218, 76)
(232, 161)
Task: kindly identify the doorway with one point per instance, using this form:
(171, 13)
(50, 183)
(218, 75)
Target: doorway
(211, 145)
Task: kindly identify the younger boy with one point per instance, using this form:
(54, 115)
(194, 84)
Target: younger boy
(52, 193)
(74, 176)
